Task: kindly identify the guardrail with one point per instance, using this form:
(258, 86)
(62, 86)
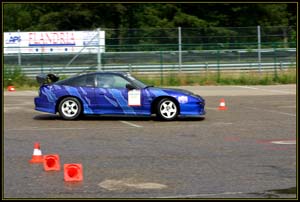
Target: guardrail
(159, 68)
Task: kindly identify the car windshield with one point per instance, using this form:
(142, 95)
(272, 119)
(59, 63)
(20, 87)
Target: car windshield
(136, 82)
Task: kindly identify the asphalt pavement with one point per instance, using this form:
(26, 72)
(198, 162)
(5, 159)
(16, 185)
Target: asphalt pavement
(246, 151)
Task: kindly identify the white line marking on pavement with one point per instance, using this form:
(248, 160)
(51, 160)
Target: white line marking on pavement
(201, 195)
(19, 104)
(222, 123)
(131, 124)
(272, 111)
(211, 108)
(284, 142)
(287, 107)
(278, 91)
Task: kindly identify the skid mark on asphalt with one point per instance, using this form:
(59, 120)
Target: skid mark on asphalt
(129, 183)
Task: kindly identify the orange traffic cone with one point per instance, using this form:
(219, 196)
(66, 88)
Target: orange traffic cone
(73, 172)
(51, 162)
(37, 154)
(11, 88)
(222, 105)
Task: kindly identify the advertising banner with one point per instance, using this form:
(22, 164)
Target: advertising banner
(54, 42)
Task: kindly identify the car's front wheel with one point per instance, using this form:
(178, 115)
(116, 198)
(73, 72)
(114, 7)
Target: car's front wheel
(69, 108)
(167, 109)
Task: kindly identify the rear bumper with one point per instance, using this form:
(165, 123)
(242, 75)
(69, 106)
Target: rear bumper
(44, 105)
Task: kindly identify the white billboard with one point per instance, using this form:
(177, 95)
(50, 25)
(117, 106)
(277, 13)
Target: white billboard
(54, 42)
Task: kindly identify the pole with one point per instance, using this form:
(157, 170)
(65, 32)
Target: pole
(218, 64)
(161, 69)
(259, 47)
(42, 61)
(179, 48)
(87, 44)
(275, 63)
(99, 52)
(19, 50)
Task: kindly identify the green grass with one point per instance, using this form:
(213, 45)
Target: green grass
(15, 77)
(208, 78)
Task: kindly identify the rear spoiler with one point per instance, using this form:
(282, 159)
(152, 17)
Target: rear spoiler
(46, 78)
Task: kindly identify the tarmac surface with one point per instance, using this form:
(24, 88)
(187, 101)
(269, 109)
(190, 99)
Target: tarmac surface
(247, 151)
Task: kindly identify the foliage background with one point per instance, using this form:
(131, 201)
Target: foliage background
(146, 16)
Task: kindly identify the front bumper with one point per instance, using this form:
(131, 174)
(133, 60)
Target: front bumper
(193, 109)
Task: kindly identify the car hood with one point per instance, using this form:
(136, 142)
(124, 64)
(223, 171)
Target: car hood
(176, 91)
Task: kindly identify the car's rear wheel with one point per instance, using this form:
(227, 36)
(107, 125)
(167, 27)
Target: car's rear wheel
(69, 108)
(167, 109)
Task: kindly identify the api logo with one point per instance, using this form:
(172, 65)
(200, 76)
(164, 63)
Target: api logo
(13, 39)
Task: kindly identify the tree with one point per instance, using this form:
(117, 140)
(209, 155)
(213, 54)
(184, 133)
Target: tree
(127, 23)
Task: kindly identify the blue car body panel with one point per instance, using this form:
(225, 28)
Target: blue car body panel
(114, 101)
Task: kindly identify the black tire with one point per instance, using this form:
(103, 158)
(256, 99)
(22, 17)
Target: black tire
(167, 109)
(69, 108)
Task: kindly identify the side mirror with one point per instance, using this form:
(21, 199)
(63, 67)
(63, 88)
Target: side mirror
(129, 86)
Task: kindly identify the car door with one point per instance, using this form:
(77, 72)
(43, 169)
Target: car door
(112, 95)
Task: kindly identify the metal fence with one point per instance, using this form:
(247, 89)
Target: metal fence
(173, 50)
(201, 35)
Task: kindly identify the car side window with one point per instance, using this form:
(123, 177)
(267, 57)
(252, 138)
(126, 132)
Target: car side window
(120, 82)
(111, 81)
(85, 81)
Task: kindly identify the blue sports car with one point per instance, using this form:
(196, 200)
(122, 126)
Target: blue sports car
(113, 93)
